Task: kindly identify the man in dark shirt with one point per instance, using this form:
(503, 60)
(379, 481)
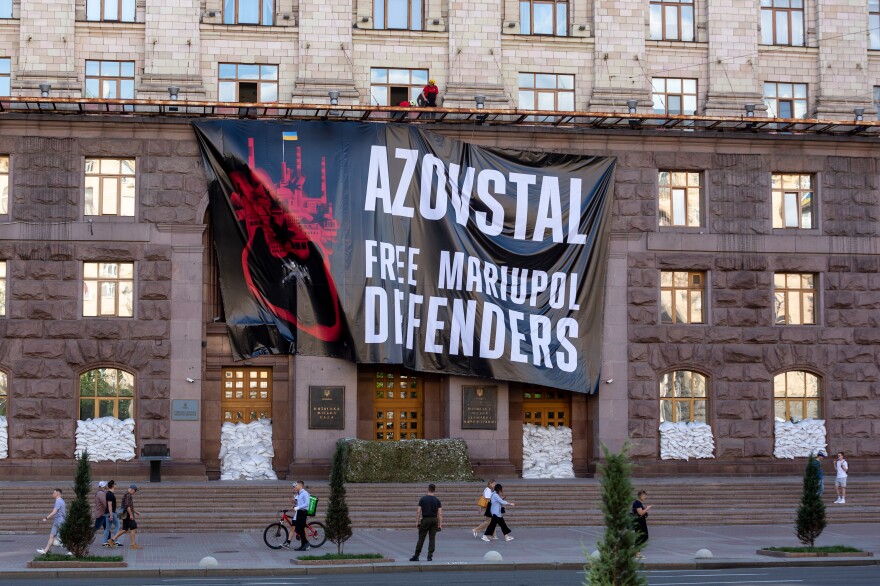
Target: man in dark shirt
(429, 520)
(112, 519)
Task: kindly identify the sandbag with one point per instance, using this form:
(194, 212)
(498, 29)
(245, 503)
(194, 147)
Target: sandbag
(547, 452)
(246, 451)
(106, 439)
(799, 440)
(4, 438)
(686, 439)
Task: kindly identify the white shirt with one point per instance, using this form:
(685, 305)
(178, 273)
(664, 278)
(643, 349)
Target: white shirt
(487, 493)
(841, 467)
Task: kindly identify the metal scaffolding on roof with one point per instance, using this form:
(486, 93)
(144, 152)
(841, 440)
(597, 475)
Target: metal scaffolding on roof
(636, 122)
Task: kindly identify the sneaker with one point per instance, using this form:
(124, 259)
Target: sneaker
(105, 544)
(430, 558)
(136, 546)
(117, 544)
(486, 538)
(639, 556)
(414, 558)
(837, 502)
(286, 545)
(475, 533)
(508, 538)
(69, 553)
(41, 551)
(843, 501)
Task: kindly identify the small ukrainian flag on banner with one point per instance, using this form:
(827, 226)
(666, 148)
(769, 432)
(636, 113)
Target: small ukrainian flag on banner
(289, 136)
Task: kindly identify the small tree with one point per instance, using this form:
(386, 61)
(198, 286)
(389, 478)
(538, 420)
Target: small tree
(77, 530)
(338, 522)
(616, 565)
(811, 513)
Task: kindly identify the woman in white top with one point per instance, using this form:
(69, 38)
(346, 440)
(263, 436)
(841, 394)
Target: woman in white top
(497, 507)
(487, 494)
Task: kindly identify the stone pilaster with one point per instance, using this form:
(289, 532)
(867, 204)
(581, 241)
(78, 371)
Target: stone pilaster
(733, 45)
(172, 48)
(474, 55)
(46, 48)
(325, 52)
(619, 64)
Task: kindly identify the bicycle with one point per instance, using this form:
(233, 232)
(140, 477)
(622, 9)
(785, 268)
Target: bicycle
(276, 534)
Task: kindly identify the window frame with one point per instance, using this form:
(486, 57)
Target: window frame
(770, 10)
(873, 25)
(5, 183)
(779, 196)
(772, 102)
(877, 100)
(102, 178)
(691, 400)
(690, 292)
(121, 7)
(677, 5)
(258, 81)
(263, 405)
(412, 405)
(11, 11)
(800, 292)
(101, 79)
(99, 282)
(818, 399)
(4, 286)
(547, 405)
(672, 186)
(537, 91)
(266, 10)
(682, 95)
(6, 74)
(530, 31)
(115, 398)
(414, 88)
(4, 396)
(380, 18)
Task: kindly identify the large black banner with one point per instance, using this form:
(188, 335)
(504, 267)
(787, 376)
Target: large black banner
(385, 243)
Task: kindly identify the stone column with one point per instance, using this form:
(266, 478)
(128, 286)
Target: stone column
(474, 55)
(619, 64)
(733, 45)
(325, 60)
(172, 49)
(843, 64)
(46, 48)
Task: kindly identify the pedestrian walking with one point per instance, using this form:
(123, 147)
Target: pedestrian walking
(640, 520)
(496, 507)
(840, 481)
(129, 521)
(100, 508)
(301, 513)
(59, 512)
(429, 520)
(483, 505)
(820, 455)
(111, 526)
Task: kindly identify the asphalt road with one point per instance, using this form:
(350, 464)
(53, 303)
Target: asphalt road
(831, 576)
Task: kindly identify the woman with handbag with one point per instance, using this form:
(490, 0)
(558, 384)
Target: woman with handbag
(496, 506)
(483, 505)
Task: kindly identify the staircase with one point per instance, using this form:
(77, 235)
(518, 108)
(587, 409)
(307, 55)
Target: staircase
(250, 506)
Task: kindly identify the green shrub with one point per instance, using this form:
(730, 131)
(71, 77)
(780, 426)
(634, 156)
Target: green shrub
(810, 520)
(338, 520)
(408, 461)
(77, 530)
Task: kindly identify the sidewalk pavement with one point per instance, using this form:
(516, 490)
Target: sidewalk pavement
(177, 554)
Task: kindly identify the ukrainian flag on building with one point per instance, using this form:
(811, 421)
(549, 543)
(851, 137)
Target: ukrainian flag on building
(288, 136)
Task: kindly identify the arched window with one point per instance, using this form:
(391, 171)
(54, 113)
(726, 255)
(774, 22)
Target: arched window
(106, 392)
(4, 393)
(796, 396)
(683, 396)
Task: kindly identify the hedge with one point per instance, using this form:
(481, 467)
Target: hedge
(407, 461)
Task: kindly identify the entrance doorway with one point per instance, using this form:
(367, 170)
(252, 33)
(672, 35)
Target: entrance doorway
(546, 407)
(246, 394)
(398, 403)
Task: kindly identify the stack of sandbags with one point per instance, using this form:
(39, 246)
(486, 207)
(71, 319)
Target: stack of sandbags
(547, 452)
(683, 440)
(106, 438)
(799, 440)
(4, 438)
(246, 451)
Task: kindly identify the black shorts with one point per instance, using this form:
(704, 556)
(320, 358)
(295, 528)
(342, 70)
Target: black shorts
(129, 524)
(488, 512)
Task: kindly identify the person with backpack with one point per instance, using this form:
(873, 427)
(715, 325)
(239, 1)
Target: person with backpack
(301, 511)
(129, 523)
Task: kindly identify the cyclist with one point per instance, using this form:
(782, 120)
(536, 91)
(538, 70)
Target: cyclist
(300, 506)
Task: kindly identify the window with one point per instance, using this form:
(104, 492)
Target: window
(796, 396)
(546, 91)
(792, 200)
(390, 87)
(248, 12)
(106, 392)
(782, 22)
(5, 8)
(681, 297)
(546, 407)
(545, 17)
(398, 403)
(4, 185)
(672, 20)
(794, 298)
(4, 393)
(682, 397)
(5, 76)
(2, 287)
(248, 83)
(110, 188)
(680, 199)
(674, 96)
(110, 79)
(785, 100)
(877, 100)
(110, 10)
(874, 25)
(247, 394)
(108, 289)
(398, 14)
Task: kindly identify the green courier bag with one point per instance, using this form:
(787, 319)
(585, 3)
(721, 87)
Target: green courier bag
(313, 506)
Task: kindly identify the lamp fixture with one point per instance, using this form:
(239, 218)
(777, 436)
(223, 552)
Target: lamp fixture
(511, 24)
(365, 19)
(173, 92)
(44, 89)
(334, 97)
(480, 101)
(632, 105)
(211, 13)
(750, 110)
(859, 114)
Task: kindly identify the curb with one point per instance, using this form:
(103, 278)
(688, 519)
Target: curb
(414, 567)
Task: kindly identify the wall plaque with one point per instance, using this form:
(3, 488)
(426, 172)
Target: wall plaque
(185, 410)
(326, 407)
(479, 407)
